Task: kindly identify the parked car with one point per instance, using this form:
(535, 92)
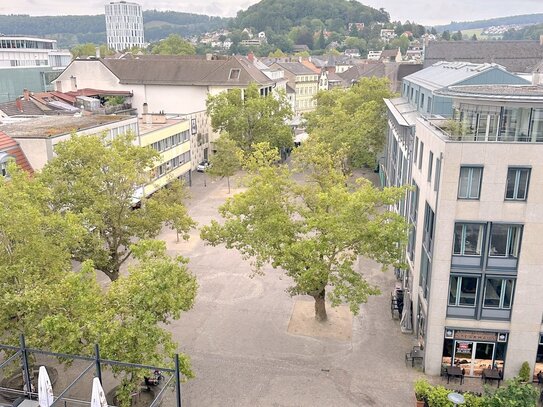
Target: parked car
(203, 166)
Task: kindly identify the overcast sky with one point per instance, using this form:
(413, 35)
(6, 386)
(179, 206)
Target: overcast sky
(428, 12)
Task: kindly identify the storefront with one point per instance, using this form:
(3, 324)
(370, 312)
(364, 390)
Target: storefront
(474, 350)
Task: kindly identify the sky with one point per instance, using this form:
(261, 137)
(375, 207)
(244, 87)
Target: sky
(427, 12)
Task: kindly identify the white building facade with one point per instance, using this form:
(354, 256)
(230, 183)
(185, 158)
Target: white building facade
(124, 25)
(17, 52)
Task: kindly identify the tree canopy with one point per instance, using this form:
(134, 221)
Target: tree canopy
(225, 162)
(352, 120)
(174, 44)
(250, 118)
(100, 181)
(313, 230)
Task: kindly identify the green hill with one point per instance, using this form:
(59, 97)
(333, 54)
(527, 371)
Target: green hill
(72, 30)
(525, 19)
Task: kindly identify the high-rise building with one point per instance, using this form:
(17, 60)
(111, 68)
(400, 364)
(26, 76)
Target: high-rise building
(124, 25)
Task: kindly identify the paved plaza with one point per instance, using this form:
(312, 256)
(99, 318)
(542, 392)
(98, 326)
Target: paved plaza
(242, 353)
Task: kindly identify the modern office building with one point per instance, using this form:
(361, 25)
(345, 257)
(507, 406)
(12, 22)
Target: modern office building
(475, 212)
(124, 25)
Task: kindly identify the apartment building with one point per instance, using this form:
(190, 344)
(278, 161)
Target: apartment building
(124, 25)
(474, 209)
(303, 83)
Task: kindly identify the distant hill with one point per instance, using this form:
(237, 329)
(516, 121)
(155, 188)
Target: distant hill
(280, 16)
(532, 32)
(72, 30)
(525, 19)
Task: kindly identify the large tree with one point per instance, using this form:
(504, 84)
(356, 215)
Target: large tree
(354, 120)
(174, 44)
(314, 230)
(250, 118)
(65, 311)
(100, 181)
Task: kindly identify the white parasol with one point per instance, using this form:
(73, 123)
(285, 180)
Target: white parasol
(45, 390)
(98, 397)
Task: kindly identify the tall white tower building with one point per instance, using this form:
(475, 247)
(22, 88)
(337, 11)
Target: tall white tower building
(124, 25)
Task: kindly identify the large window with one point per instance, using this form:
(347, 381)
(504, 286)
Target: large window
(468, 239)
(463, 291)
(469, 184)
(425, 271)
(428, 227)
(421, 154)
(505, 240)
(430, 165)
(498, 293)
(517, 184)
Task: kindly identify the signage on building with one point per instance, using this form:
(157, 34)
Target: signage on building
(475, 336)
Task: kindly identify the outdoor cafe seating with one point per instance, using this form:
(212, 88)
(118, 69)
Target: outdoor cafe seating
(416, 354)
(454, 372)
(492, 374)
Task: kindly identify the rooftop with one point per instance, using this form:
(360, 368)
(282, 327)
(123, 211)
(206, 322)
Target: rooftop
(515, 56)
(146, 127)
(52, 126)
(297, 68)
(11, 147)
(529, 93)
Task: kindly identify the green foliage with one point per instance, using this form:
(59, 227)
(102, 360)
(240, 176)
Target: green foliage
(313, 230)
(225, 162)
(457, 36)
(446, 35)
(89, 50)
(525, 372)
(422, 389)
(276, 54)
(400, 42)
(98, 181)
(250, 118)
(353, 120)
(513, 394)
(174, 44)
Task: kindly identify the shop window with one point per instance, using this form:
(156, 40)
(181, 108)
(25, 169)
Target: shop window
(469, 184)
(463, 291)
(517, 184)
(468, 239)
(505, 240)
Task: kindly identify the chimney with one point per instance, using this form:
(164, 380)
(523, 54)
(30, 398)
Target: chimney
(19, 105)
(209, 57)
(26, 94)
(145, 108)
(251, 56)
(541, 40)
(97, 52)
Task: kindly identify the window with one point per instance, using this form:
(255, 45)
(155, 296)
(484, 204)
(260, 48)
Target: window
(517, 184)
(468, 239)
(469, 185)
(428, 227)
(421, 154)
(498, 293)
(416, 150)
(422, 100)
(234, 73)
(425, 270)
(429, 105)
(414, 203)
(430, 166)
(463, 291)
(505, 240)
(438, 174)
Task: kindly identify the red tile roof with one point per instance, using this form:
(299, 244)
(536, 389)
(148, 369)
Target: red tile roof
(11, 147)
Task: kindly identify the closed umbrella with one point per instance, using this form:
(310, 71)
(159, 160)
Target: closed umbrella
(98, 397)
(406, 324)
(45, 390)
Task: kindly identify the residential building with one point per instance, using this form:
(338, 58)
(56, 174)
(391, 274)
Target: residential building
(473, 163)
(10, 150)
(391, 55)
(515, 56)
(352, 53)
(304, 82)
(387, 34)
(374, 55)
(124, 25)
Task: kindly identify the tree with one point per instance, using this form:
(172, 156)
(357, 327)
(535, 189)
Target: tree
(354, 119)
(400, 42)
(446, 35)
(174, 44)
(99, 182)
(68, 312)
(89, 50)
(313, 230)
(474, 37)
(457, 36)
(276, 54)
(225, 162)
(250, 118)
(358, 43)
(433, 31)
(320, 43)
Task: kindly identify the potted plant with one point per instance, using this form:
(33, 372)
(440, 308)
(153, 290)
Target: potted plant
(524, 372)
(422, 389)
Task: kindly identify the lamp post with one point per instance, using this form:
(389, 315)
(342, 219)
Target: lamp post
(456, 398)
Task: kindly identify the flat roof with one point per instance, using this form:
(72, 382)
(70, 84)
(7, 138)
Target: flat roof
(518, 93)
(52, 126)
(145, 128)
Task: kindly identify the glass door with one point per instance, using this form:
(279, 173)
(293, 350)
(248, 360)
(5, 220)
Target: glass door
(463, 353)
(482, 358)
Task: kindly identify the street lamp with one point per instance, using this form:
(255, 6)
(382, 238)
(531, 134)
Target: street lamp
(456, 398)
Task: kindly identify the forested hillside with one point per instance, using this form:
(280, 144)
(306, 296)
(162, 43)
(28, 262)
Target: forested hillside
(466, 25)
(532, 32)
(72, 30)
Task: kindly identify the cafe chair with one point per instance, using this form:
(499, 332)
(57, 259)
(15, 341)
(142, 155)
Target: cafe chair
(408, 358)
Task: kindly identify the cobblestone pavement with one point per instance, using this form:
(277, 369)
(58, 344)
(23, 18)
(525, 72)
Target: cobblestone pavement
(242, 355)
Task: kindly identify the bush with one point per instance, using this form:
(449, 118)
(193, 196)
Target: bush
(437, 397)
(422, 388)
(514, 394)
(525, 373)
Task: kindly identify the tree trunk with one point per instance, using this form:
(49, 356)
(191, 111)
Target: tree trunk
(320, 306)
(177, 232)
(228, 182)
